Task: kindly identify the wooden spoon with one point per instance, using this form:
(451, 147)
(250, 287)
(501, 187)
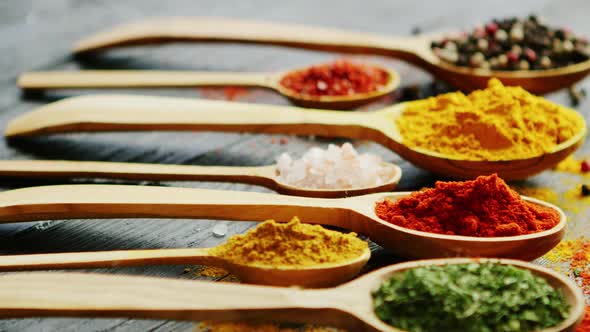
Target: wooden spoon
(135, 113)
(321, 275)
(152, 79)
(353, 213)
(266, 176)
(349, 306)
(415, 50)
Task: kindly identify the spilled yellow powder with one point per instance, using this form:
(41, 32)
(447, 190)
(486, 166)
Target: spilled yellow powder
(211, 272)
(572, 164)
(497, 123)
(246, 327)
(541, 193)
(291, 244)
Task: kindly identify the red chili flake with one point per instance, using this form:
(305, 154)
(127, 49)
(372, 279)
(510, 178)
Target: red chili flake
(340, 78)
(585, 166)
(273, 140)
(283, 141)
(233, 92)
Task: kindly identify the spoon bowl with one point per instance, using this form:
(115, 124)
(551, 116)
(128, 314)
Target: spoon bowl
(354, 213)
(415, 50)
(320, 275)
(349, 306)
(259, 175)
(159, 79)
(137, 113)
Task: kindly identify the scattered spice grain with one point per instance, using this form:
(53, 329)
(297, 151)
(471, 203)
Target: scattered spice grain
(576, 255)
(292, 244)
(497, 123)
(339, 78)
(484, 207)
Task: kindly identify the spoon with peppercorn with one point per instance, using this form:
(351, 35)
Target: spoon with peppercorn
(350, 306)
(339, 85)
(98, 113)
(522, 52)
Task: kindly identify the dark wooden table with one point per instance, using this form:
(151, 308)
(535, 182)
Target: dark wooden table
(37, 35)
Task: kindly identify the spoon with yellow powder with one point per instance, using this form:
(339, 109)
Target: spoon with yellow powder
(503, 130)
(350, 306)
(276, 254)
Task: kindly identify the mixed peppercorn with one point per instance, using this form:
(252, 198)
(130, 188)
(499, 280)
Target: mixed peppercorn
(339, 78)
(514, 44)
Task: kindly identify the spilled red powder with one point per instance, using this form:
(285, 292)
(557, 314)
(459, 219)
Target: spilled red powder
(585, 324)
(340, 78)
(484, 207)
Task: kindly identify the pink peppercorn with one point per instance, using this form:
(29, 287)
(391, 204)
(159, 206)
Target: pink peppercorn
(491, 28)
(512, 57)
(531, 55)
(585, 166)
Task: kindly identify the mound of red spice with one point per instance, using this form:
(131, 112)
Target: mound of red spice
(484, 207)
(339, 78)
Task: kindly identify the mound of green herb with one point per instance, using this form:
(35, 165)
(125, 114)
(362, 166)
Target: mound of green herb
(470, 297)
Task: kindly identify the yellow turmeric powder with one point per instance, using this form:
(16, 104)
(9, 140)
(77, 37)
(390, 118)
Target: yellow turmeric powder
(497, 123)
(291, 244)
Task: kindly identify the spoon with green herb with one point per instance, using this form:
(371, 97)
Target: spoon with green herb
(511, 295)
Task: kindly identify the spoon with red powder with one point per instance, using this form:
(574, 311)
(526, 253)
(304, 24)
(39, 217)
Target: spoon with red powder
(341, 84)
(478, 218)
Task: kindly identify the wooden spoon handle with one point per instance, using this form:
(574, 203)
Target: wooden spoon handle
(98, 259)
(122, 112)
(140, 79)
(114, 201)
(94, 295)
(261, 175)
(234, 30)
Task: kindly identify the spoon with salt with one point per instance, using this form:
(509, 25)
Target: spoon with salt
(415, 50)
(312, 276)
(353, 213)
(349, 306)
(267, 176)
(160, 79)
(136, 113)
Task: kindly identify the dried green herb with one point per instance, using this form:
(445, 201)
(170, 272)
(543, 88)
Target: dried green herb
(473, 297)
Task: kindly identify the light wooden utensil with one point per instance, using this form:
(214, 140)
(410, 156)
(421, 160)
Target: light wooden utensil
(266, 176)
(154, 78)
(136, 113)
(353, 213)
(349, 306)
(415, 50)
(321, 275)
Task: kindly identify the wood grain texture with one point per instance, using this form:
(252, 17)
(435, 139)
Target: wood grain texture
(41, 38)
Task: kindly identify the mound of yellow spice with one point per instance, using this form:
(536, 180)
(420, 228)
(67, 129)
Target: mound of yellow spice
(291, 244)
(497, 123)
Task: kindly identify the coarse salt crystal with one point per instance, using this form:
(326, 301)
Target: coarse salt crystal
(334, 168)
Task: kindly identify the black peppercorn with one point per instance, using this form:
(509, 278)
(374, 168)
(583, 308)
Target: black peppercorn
(585, 190)
(527, 44)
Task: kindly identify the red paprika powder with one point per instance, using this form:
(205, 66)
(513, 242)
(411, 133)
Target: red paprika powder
(339, 78)
(585, 324)
(484, 207)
